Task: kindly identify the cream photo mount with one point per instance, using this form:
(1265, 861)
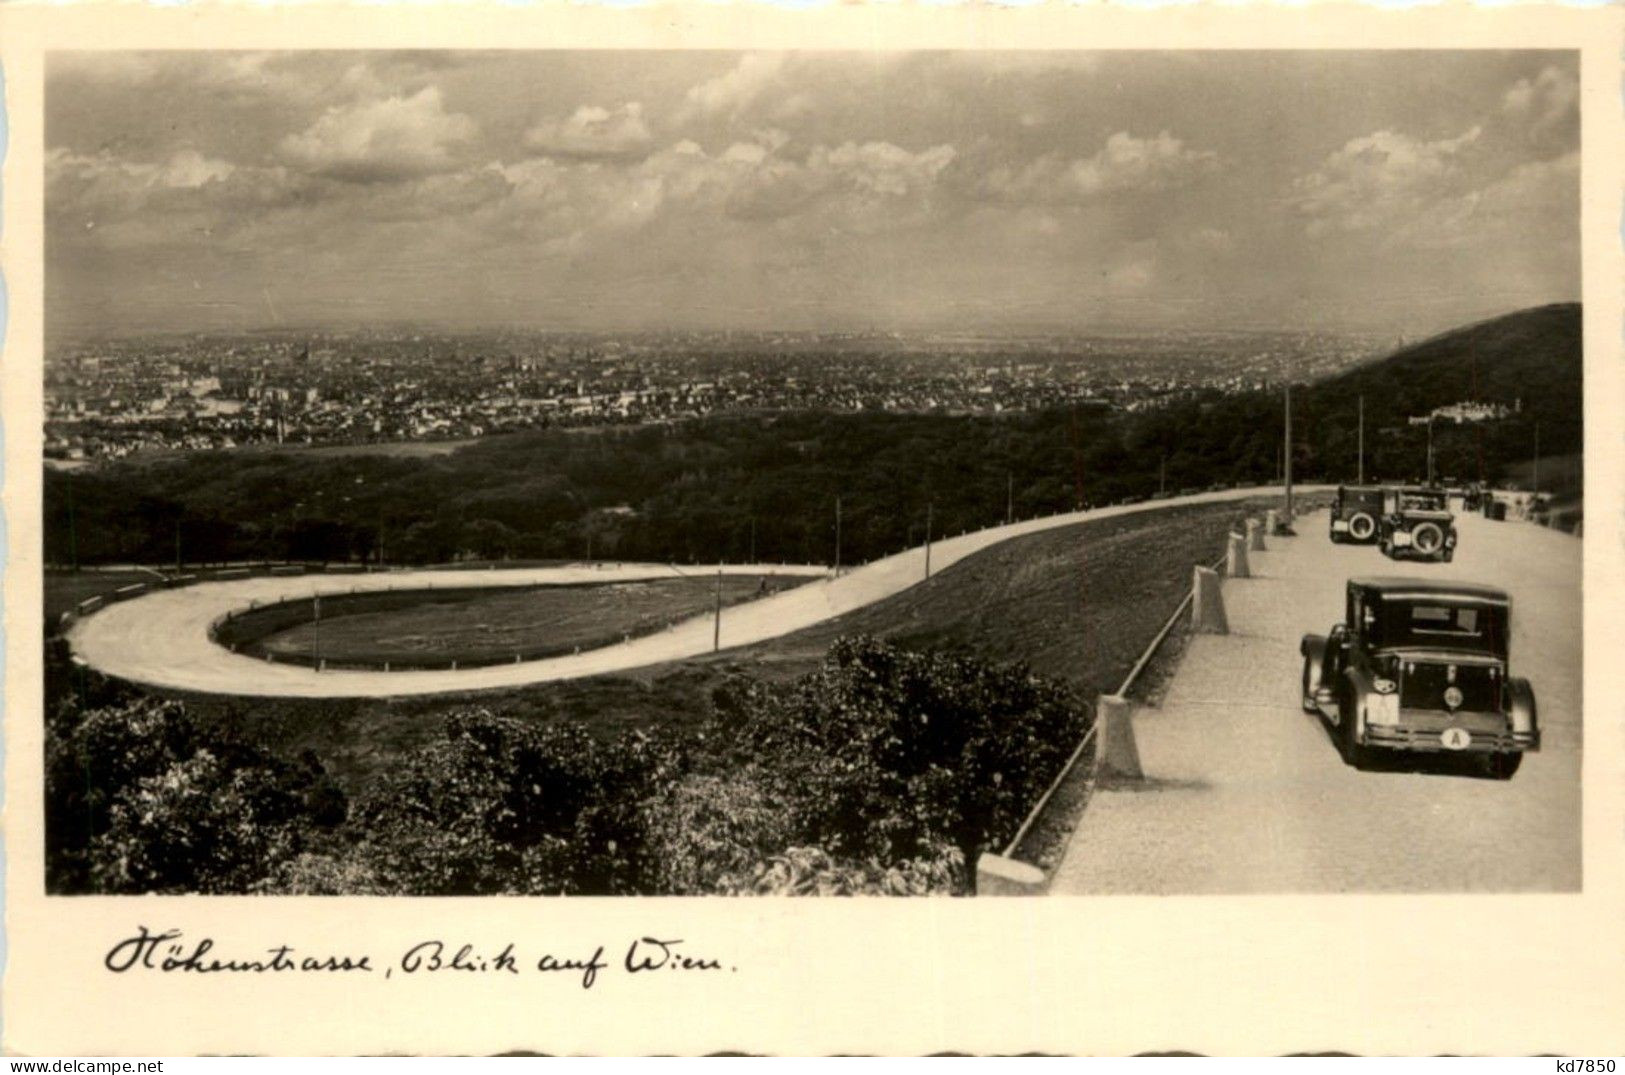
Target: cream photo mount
(1376, 974)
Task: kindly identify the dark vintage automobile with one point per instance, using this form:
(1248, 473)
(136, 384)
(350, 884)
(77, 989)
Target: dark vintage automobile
(1356, 511)
(1421, 665)
(1417, 524)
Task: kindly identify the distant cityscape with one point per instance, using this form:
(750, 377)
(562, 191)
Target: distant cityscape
(113, 399)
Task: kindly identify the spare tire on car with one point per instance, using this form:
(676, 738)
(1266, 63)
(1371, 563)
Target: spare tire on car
(1427, 538)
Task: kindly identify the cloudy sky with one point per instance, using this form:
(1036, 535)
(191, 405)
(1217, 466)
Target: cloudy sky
(1402, 191)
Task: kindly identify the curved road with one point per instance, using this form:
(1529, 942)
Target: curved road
(162, 639)
(1246, 793)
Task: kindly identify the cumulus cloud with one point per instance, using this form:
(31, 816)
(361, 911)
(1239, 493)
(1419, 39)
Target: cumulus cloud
(1548, 107)
(731, 93)
(186, 190)
(1125, 163)
(593, 133)
(380, 140)
(1552, 93)
(863, 186)
(77, 174)
(1375, 179)
(1535, 204)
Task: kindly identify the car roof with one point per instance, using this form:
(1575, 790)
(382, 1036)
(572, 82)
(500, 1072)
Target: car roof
(1399, 587)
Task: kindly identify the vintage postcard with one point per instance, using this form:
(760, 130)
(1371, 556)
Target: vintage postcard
(856, 530)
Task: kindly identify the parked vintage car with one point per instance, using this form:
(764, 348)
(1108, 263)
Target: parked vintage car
(1355, 514)
(1416, 524)
(1421, 665)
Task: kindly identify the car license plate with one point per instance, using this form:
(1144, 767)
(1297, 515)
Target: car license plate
(1339, 524)
(1455, 738)
(1401, 538)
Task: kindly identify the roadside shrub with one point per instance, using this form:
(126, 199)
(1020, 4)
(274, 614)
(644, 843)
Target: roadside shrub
(710, 832)
(140, 798)
(884, 754)
(498, 805)
(811, 871)
(324, 874)
(201, 825)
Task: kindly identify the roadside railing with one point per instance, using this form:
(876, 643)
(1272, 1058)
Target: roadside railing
(1094, 727)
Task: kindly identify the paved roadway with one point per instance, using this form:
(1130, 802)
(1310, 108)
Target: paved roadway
(1246, 793)
(162, 639)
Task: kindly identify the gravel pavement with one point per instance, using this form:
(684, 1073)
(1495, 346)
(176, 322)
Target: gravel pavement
(161, 639)
(1246, 793)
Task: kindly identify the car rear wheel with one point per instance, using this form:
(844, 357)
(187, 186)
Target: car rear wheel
(1362, 526)
(1427, 538)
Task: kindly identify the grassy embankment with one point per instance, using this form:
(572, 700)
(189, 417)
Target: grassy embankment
(1078, 603)
(433, 628)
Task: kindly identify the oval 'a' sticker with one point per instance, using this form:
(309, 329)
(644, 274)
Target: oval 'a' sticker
(1455, 738)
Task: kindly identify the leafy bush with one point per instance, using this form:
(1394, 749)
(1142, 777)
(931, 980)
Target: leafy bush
(883, 753)
(709, 832)
(499, 805)
(315, 873)
(810, 871)
(884, 772)
(139, 798)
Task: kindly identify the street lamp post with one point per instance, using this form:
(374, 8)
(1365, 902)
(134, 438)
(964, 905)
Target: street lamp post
(1286, 457)
(928, 540)
(1361, 443)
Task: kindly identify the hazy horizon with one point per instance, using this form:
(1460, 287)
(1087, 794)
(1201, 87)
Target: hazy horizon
(989, 194)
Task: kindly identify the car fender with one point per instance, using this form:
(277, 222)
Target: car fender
(1521, 706)
(1313, 648)
(1357, 688)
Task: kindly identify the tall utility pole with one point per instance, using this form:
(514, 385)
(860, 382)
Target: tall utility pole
(1286, 455)
(316, 619)
(1361, 479)
(837, 535)
(928, 540)
(716, 630)
(1537, 459)
(1010, 498)
(73, 529)
(1430, 449)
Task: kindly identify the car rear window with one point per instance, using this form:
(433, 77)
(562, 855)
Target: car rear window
(1435, 623)
(1437, 619)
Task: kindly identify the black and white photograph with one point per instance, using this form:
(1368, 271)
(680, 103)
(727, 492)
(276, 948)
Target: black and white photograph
(568, 472)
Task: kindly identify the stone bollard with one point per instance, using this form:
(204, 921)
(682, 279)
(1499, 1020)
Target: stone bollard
(1272, 522)
(1207, 604)
(1255, 536)
(1117, 758)
(999, 876)
(1235, 558)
